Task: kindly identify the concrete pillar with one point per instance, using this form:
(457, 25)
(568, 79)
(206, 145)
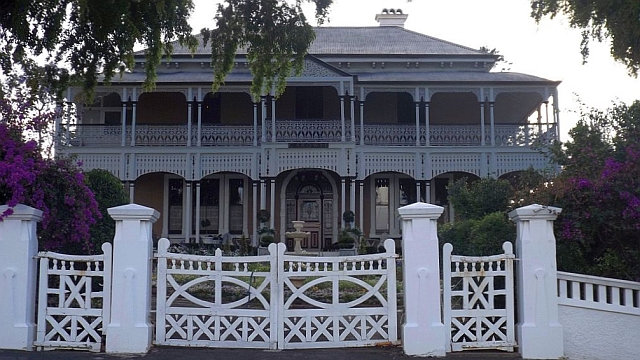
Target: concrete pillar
(539, 333)
(423, 331)
(130, 330)
(18, 277)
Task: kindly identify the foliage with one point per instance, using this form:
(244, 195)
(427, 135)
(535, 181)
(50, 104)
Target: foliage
(108, 192)
(616, 20)
(90, 37)
(348, 217)
(479, 237)
(273, 32)
(599, 192)
(348, 236)
(500, 60)
(267, 236)
(56, 187)
(263, 216)
(90, 41)
(479, 198)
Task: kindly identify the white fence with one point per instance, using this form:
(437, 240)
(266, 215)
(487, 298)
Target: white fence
(275, 301)
(600, 316)
(74, 299)
(478, 300)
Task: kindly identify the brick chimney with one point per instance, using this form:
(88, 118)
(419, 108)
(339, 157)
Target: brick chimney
(391, 17)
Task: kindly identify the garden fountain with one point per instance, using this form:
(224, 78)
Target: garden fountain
(297, 235)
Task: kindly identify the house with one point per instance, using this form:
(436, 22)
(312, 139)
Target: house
(379, 118)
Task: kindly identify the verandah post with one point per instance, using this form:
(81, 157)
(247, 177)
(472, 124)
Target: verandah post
(18, 267)
(129, 329)
(539, 333)
(423, 331)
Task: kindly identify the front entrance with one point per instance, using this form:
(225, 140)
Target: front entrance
(310, 196)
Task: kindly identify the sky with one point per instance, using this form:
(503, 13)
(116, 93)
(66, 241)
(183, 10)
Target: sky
(550, 49)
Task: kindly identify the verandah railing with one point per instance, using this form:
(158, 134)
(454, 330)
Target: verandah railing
(292, 131)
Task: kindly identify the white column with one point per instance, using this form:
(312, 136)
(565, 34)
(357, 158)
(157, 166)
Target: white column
(353, 114)
(18, 276)
(254, 239)
(56, 125)
(342, 137)
(482, 128)
(273, 118)
(361, 116)
(352, 195)
(134, 105)
(540, 334)
(427, 192)
(123, 117)
(418, 191)
(130, 330)
(199, 141)
(188, 209)
(492, 122)
(423, 331)
(426, 118)
(197, 211)
(556, 111)
(255, 124)
(263, 194)
(263, 117)
(272, 203)
(343, 195)
(132, 188)
(361, 205)
(189, 114)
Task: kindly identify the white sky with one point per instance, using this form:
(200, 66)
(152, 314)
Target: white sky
(550, 50)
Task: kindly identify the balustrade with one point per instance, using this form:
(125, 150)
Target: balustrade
(298, 131)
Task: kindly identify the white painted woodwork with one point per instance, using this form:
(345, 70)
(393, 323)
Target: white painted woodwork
(478, 300)
(19, 243)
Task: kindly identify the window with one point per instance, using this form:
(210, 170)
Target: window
(236, 206)
(382, 205)
(391, 192)
(175, 206)
(209, 206)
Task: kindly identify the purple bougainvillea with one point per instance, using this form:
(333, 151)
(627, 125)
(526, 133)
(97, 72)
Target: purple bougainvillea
(55, 186)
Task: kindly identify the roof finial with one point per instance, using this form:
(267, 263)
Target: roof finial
(391, 17)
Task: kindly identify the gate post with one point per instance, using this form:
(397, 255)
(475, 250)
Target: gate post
(18, 277)
(423, 331)
(129, 330)
(539, 332)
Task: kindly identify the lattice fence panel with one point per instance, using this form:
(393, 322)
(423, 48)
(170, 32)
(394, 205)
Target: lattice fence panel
(337, 301)
(215, 301)
(73, 300)
(478, 300)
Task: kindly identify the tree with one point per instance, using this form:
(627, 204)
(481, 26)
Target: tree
(90, 41)
(108, 192)
(599, 192)
(616, 20)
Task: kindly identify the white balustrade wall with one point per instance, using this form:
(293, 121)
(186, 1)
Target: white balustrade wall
(600, 316)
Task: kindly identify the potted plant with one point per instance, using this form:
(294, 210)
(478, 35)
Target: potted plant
(348, 217)
(263, 216)
(206, 238)
(267, 236)
(346, 240)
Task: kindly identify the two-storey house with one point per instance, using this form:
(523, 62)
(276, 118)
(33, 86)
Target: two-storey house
(380, 117)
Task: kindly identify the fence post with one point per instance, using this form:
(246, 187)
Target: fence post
(18, 277)
(539, 332)
(423, 331)
(129, 330)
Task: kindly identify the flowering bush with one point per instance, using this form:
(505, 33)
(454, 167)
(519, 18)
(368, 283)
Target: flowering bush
(55, 186)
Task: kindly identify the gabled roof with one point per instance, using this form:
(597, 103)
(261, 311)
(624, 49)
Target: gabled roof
(376, 40)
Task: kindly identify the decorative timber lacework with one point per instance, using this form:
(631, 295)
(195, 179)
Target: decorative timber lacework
(275, 301)
(380, 162)
(306, 130)
(455, 135)
(400, 135)
(442, 163)
(225, 135)
(92, 135)
(173, 163)
(508, 162)
(161, 135)
(241, 163)
(313, 158)
(73, 300)
(478, 300)
(109, 162)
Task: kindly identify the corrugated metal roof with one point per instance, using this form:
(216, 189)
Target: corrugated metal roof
(449, 76)
(377, 40)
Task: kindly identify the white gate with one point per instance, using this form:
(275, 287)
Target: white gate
(276, 301)
(74, 298)
(478, 300)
